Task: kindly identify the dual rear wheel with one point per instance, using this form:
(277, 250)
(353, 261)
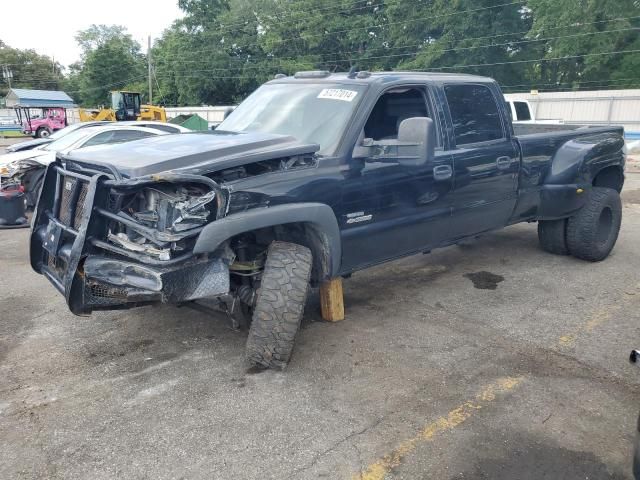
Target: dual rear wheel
(591, 233)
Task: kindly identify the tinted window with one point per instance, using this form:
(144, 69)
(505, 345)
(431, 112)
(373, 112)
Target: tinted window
(522, 111)
(391, 109)
(128, 135)
(99, 139)
(474, 113)
(163, 128)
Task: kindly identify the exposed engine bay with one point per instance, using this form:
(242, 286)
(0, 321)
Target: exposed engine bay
(160, 220)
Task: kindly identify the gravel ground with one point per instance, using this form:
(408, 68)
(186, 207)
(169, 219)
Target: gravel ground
(488, 360)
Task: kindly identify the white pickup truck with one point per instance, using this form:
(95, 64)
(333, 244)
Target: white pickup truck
(521, 112)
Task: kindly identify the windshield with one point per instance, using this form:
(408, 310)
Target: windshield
(311, 113)
(66, 141)
(65, 131)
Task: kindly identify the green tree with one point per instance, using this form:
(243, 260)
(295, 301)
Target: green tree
(29, 69)
(459, 36)
(586, 33)
(111, 60)
(223, 49)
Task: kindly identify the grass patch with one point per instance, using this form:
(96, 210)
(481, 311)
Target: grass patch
(12, 134)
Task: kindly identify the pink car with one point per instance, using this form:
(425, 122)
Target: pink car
(43, 124)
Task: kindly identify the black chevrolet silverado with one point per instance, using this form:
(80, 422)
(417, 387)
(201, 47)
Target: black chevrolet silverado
(313, 177)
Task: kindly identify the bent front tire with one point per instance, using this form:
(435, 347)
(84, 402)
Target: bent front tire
(593, 231)
(279, 305)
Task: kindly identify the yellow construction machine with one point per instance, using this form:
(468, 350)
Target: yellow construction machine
(125, 106)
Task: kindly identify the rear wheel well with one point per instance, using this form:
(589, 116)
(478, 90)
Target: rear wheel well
(610, 177)
(302, 233)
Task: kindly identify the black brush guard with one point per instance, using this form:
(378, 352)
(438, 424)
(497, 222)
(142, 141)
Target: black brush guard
(68, 247)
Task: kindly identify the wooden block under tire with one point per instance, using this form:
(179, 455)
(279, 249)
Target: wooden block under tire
(332, 300)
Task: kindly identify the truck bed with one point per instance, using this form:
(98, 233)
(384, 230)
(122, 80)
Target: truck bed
(521, 129)
(544, 145)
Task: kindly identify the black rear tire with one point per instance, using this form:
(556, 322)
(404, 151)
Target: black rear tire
(552, 235)
(593, 231)
(279, 305)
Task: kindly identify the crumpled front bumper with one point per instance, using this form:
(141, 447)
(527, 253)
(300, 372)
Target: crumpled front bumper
(111, 282)
(95, 275)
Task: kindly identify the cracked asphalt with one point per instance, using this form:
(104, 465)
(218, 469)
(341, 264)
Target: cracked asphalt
(489, 360)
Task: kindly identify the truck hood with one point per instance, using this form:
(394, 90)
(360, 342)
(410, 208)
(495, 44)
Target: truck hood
(194, 153)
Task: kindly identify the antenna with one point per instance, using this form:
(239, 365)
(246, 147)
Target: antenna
(352, 72)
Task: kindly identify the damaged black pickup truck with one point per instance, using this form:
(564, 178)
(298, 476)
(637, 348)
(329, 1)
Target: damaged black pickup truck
(312, 177)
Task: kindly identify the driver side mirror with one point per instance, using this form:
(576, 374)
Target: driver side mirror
(415, 145)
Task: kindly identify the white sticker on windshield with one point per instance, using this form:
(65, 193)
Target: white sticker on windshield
(338, 94)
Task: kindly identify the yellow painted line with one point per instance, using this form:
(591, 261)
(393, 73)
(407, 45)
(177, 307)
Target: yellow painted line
(378, 469)
(597, 319)
(600, 316)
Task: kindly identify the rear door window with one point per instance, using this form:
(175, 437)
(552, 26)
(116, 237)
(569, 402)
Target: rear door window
(474, 113)
(129, 135)
(522, 110)
(100, 139)
(163, 128)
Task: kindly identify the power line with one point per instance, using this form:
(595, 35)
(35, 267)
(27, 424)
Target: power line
(123, 82)
(317, 61)
(404, 22)
(378, 57)
(568, 83)
(244, 77)
(229, 26)
(571, 86)
(457, 49)
(567, 57)
(422, 44)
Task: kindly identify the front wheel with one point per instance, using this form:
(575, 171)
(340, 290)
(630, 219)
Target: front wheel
(279, 305)
(593, 231)
(43, 132)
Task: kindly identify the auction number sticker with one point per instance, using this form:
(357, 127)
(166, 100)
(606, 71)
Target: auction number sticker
(338, 94)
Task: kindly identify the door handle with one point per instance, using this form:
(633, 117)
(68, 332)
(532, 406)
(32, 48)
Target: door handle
(442, 172)
(503, 162)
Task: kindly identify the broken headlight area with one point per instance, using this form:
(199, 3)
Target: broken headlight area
(173, 209)
(159, 221)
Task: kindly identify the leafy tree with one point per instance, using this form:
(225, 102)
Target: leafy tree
(29, 69)
(586, 32)
(223, 49)
(458, 36)
(111, 60)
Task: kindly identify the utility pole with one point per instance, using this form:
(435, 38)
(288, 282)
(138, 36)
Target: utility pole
(149, 62)
(7, 74)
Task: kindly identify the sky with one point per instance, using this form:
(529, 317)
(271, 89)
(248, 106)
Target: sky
(48, 26)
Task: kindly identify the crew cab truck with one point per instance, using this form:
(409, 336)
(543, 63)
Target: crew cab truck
(313, 177)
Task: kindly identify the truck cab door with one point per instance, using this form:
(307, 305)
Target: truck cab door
(390, 209)
(486, 160)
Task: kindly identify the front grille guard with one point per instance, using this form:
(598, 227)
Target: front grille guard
(66, 221)
(73, 211)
